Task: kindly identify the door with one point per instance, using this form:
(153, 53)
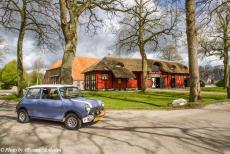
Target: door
(153, 82)
(31, 100)
(139, 80)
(156, 82)
(173, 82)
(50, 105)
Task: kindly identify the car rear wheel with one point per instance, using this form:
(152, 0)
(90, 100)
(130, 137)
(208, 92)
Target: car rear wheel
(23, 116)
(72, 122)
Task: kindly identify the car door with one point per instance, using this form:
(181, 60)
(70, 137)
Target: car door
(31, 99)
(50, 104)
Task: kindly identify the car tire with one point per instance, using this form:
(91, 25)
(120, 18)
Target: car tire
(72, 122)
(23, 116)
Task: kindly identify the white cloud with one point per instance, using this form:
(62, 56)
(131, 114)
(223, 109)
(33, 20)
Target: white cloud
(96, 46)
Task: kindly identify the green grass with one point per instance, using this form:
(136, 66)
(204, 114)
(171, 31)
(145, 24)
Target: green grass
(148, 100)
(9, 97)
(213, 89)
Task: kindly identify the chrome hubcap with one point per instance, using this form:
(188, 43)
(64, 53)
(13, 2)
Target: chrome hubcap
(22, 116)
(72, 122)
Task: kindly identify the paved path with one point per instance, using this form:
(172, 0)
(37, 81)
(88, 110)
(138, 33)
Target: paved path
(204, 130)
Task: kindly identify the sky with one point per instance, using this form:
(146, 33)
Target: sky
(89, 45)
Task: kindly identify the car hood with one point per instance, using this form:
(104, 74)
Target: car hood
(91, 102)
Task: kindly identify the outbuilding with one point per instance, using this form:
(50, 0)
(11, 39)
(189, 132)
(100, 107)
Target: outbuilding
(111, 73)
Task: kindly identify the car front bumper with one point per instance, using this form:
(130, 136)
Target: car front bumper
(100, 116)
(91, 118)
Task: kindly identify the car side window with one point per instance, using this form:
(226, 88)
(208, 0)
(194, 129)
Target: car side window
(33, 93)
(50, 93)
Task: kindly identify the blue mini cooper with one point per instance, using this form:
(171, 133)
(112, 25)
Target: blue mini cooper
(63, 103)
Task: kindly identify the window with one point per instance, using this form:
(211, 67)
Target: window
(119, 81)
(90, 82)
(50, 93)
(156, 67)
(104, 76)
(33, 93)
(70, 92)
(173, 67)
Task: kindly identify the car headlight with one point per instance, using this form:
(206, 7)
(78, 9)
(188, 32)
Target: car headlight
(101, 103)
(87, 108)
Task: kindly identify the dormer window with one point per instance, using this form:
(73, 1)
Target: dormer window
(155, 67)
(173, 67)
(185, 67)
(118, 65)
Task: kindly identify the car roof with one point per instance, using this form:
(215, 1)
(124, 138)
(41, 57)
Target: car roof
(50, 86)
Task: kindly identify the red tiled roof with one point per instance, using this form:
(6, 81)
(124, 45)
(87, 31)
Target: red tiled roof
(55, 65)
(79, 64)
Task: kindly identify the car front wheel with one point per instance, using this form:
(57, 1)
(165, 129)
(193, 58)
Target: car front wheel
(72, 122)
(23, 116)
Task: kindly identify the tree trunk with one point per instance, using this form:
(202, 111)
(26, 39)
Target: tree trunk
(20, 50)
(67, 61)
(142, 47)
(144, 70)
(69, 28)
(192, 51)
(226, 68)
(37, 76)
(226, 63)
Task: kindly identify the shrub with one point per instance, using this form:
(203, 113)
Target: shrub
(220, 83)
(6, 86)
(202, 83)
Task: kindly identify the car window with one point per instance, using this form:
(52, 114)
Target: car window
(70, 92)
(50, 93)
(33, 93)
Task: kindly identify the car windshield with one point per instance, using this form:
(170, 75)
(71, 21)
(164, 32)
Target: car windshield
(70, 92)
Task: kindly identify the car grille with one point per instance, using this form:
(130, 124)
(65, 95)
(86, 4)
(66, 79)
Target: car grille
(96, 110)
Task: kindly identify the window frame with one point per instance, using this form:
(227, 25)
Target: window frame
(33, 89)
(70, 87)
(104, 76)
(49, 98)
(156, 67)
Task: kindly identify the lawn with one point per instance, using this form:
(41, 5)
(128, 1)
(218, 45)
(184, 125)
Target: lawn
(213, 89)
(9, 97)
(148, 100)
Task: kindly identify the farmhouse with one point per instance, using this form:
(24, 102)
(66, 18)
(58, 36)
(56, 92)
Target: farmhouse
(112, 73)
(52, 75)
(125, 73)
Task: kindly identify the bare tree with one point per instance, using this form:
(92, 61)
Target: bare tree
(145, 23)
(194, 94)
(3, 49)
(70, 13)
(216, 39)
(169, 52)
(37, 67)
(34, 16)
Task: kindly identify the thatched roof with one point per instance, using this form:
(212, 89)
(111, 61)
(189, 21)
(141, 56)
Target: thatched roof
(125, 66)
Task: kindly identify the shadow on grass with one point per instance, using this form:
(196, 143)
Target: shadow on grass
(128, 100)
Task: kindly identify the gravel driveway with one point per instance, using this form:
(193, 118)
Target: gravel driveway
(204, 130)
